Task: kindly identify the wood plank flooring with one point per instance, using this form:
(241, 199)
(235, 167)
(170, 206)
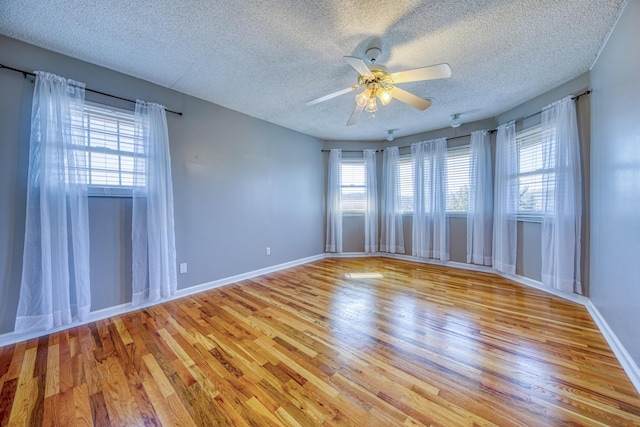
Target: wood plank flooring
(424, 345)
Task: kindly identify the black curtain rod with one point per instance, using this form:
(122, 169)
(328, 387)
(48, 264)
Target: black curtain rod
(586, 92)
(351, 151)
(28, 73)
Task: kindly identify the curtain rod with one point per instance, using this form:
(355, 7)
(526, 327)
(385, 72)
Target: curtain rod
(519, 119)
(586, 92)
(28, 73)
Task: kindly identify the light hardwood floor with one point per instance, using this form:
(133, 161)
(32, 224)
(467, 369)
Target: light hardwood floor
(424, 345)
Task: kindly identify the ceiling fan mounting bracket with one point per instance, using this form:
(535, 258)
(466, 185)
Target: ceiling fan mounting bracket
(372, 54)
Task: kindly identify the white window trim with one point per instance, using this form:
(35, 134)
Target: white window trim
(466, 148)
(110, 191)
(528, 216)
(353, 212)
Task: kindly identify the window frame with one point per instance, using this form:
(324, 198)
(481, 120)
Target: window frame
(407, 159)
(455, 151)
(109, 190)
(524, 136)
(353, 212)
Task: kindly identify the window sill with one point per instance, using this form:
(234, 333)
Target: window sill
(449, 214)
(529, 218)
(112, 192)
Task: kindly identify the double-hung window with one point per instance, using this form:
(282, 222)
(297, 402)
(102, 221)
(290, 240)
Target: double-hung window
(457, 168)
(532, 172)
(458, 179)
(353, 186)
(112, 150)
(405, 184)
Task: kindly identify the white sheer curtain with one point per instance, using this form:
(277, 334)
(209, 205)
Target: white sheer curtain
(55, 285)
(392, 238)
(430, 225)
(154, 250)
(561, 197)
(334, 210)
(480, 209)
(505, 208)
(371, 202)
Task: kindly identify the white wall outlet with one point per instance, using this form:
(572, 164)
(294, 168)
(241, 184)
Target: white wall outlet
(183, 268)
(268, 250)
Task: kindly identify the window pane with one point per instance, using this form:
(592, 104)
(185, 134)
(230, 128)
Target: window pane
(353, 198)
(530, 156)
(531, 172)
(353, 190)
(99, 177)
(352, 173)
(110, 135)
(530, 194)
(405, 184)
(126, 163)
(458, 179)
(127, 143)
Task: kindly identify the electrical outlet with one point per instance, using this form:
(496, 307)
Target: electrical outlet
(268, 250)
(183, 268)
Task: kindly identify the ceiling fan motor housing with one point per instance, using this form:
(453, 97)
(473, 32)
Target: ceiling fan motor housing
(380, 79)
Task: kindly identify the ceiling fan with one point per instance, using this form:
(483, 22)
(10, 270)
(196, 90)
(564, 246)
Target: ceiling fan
(378, 83)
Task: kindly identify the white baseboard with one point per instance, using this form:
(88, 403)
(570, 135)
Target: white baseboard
(628, 364)
(244, 276)
(453, 264)
(12, 337)
(351, 254)
(538, 285)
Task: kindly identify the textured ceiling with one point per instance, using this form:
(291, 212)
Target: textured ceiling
(266, 58)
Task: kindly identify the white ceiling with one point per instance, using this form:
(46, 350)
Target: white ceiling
(266, 58)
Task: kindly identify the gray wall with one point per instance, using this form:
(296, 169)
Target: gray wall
(615, 181)
(240, 185)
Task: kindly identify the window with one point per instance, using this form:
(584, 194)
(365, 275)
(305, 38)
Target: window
(111, 146)
(457, 181)
(530, 171)
(405, 184)
(353, 189)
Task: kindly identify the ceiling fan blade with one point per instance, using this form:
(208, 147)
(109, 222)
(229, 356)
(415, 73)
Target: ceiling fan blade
(411, 99)
(440, 71)
(359, 65)
(331, 95)
(355, 115)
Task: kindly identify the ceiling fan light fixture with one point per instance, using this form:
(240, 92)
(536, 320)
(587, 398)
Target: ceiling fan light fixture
(455, 121)
(372, 105)
(384, 95)
(363, 97)
(390, 135)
